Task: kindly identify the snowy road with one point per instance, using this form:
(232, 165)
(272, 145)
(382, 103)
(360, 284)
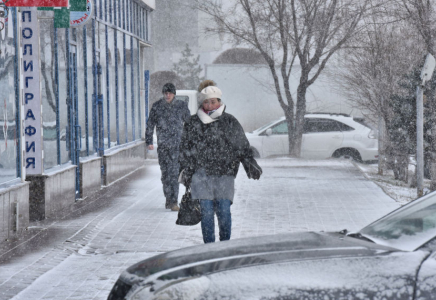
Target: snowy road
(81, 256)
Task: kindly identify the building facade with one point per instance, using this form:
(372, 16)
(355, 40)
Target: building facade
(175, 24)
(93, 90)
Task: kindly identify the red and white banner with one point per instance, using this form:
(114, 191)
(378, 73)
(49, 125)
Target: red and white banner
(37, 3)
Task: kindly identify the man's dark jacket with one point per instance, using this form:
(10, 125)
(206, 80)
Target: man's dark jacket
(218, 147)
(168, 119)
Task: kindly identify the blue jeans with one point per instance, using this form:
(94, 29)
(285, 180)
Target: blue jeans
(222, 209)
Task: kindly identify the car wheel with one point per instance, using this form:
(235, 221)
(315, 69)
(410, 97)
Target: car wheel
(255, 153)
(348, 153)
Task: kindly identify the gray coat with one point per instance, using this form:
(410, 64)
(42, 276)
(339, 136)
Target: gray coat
(168, 118)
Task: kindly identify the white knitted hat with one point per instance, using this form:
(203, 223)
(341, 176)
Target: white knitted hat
(211, 92)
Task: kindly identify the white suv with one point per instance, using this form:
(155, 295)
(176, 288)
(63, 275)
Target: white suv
(325, 135)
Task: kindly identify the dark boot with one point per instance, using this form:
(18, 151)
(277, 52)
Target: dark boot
(168, 204)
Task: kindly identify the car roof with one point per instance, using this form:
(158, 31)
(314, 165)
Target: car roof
(333, 116)
(323, 115)
(327, 116)
(344, 118)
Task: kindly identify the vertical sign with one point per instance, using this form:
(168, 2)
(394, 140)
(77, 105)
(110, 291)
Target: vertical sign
(30, 76)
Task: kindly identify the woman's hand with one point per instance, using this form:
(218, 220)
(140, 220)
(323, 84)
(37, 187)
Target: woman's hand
(185, 177)
(252, 169)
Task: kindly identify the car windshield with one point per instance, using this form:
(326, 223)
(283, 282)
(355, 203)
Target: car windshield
(407, 228)
(265, 126)
(183, 98)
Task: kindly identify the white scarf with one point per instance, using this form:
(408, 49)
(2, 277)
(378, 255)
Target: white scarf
(206, 119)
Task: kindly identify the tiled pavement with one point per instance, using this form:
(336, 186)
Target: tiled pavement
(81, 256)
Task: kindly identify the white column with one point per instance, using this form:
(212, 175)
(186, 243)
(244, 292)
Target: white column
(31, 91)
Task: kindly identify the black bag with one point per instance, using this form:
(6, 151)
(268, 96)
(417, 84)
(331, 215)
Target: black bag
(189, 213)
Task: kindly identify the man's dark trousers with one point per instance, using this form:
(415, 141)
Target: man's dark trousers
(169, 166)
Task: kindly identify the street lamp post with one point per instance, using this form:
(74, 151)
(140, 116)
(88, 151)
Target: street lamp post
(426, 74)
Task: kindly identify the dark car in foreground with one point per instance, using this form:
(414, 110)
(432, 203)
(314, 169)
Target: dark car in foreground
(392, 258)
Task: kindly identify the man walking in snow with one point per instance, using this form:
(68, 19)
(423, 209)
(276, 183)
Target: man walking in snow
(168, 116)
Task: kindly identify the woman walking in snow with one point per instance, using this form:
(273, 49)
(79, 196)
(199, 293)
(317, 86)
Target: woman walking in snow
(213, 144)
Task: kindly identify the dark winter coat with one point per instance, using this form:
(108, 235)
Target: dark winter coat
(168, 118)
(218, 147)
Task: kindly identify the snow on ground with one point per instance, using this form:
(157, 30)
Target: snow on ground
(293, 195)
(95, 279)
(396, 189)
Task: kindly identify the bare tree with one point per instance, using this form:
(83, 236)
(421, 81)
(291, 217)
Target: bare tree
(286, 32)
(373, 64)
(421, 13)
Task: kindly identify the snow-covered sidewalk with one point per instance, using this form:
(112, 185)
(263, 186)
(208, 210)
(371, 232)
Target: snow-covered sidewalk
(398, 190)
(292, 195)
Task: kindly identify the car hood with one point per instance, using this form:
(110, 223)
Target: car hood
(201, 260)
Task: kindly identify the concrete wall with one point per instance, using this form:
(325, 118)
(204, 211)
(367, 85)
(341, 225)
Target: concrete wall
(90, 172)
(14, 209)
(60, 190)
(53, 193)
(119, 162)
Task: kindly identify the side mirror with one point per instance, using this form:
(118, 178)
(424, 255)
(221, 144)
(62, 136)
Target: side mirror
(268, 132)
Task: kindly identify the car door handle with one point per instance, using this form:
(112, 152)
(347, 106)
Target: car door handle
(336, 137)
